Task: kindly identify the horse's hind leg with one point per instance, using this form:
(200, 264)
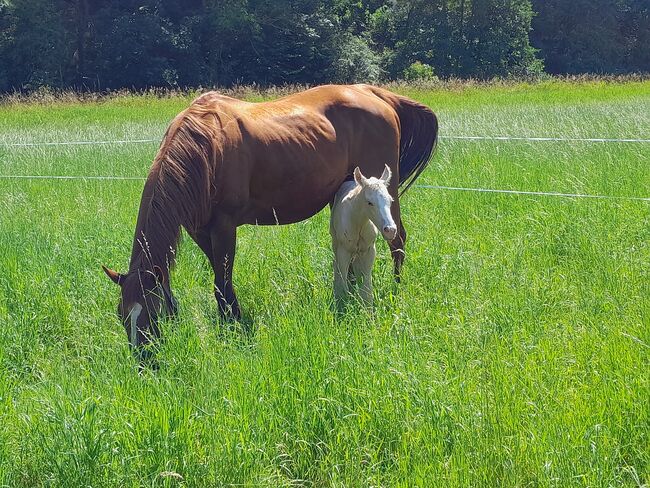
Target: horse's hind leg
(396, 245)
(397, 249)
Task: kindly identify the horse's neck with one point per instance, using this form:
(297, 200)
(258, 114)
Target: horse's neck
(352, 213)
(156, 236)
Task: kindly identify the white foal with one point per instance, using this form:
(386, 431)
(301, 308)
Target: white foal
(360, 208)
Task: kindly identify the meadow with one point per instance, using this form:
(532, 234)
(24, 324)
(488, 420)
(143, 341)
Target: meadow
(516, 351)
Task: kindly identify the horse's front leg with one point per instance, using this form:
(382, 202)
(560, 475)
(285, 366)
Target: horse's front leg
(223, 235)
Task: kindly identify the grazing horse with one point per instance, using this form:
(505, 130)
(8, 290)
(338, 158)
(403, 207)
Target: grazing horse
(360, 208)
(224, 162)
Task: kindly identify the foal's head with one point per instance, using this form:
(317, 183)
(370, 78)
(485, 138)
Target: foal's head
(378, 201)
(145, 297)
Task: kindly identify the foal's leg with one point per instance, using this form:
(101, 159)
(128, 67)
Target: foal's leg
(342, 259)
(362, 265)
(223, 235)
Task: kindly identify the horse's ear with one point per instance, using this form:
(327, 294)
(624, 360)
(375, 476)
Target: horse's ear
(113, 275)
(386, 175)
(160, 276)
(358, 177)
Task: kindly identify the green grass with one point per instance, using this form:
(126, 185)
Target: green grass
(516, 352)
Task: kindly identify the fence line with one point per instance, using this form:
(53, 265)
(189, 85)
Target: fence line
(542, 139)
(71, 177)
(78, 143)
(464, 138)
(433, 187)
(532, 193)
(430, 187)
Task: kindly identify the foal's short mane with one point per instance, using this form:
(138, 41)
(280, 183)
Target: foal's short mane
(179, 187)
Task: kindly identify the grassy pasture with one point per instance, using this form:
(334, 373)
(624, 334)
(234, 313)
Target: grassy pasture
(515, 353)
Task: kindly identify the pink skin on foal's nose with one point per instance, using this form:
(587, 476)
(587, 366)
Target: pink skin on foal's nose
(389, 233)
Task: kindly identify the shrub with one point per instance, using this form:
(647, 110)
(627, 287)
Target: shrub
(418, 72)
(356, 61)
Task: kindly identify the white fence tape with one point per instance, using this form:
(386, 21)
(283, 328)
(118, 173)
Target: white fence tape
(533, 193)
(464, 138)
(540, 139)
(431, 187)
(71, 177)
(78, 143)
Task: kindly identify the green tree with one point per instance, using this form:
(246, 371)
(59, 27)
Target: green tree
(594, 36)
(636, 25)
(482, 38)
(90, 44)
(36, 49)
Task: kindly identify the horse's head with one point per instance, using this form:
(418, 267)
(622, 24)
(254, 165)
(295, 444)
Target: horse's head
(378, 200)
(145, 297)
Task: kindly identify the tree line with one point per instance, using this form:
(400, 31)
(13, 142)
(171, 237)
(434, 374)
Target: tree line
(96, 45)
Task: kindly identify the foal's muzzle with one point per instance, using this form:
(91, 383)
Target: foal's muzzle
(389, 232)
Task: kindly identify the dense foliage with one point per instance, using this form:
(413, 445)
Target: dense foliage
(603, 36)
(88, 44)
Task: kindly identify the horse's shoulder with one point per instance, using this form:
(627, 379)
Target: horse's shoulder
(324, 97)
(287, 123)
(212, 97)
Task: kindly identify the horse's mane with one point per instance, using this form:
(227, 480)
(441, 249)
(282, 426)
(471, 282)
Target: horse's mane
(179, 187)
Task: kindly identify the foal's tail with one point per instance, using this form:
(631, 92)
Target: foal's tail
(418, 138)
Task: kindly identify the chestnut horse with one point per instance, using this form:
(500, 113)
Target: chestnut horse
(224, 162)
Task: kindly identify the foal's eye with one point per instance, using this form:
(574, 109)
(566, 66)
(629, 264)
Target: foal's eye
(370, 203)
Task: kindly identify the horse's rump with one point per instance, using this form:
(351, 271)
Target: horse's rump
(418, 134)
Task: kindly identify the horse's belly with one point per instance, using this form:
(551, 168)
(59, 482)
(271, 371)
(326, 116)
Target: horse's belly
(297, 195)
(296, 167)
(283, 214)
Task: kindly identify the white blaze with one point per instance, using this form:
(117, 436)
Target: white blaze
(135, 313)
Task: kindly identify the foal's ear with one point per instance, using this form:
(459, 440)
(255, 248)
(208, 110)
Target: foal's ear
(358, 177)
(386, 175)
(160, 276)
(113, 275)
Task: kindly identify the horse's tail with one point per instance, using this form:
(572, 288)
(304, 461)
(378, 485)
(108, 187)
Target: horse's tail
(418, 138)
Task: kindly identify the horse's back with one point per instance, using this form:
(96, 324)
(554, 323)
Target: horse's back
(323, 118)
(325, 96)
(302, 147)
(299, 148)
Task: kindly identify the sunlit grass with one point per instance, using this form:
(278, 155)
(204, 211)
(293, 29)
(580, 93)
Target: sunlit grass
(514, 353)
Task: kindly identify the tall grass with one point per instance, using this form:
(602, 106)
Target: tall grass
(514, 353)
